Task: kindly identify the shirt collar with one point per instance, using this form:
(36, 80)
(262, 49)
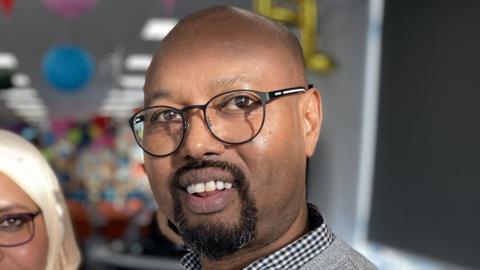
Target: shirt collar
(292, 256)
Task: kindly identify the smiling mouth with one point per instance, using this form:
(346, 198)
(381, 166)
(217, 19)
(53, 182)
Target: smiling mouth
(208, 187)
(208, 197)
(201, 189)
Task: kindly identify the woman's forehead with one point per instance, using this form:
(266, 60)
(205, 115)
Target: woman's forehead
(12, 197)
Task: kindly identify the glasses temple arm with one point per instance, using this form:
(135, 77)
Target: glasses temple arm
(289, 91)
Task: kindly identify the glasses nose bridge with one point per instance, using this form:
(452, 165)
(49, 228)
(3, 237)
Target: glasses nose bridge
(184, 111)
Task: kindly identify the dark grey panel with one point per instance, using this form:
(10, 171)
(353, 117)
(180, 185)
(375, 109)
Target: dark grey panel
(427, 175)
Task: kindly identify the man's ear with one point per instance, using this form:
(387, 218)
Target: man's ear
(312, 118)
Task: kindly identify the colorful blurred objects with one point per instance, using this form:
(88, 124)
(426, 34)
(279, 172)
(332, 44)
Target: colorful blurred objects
(80, 219)
(60, 127)
(70, 9)
(68, 68)
(97, 163)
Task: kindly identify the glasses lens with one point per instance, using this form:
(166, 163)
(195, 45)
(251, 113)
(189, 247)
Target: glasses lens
(235, 117)
(159, 130)
(16, 229)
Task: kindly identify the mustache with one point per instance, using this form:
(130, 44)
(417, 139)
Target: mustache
(195, 164)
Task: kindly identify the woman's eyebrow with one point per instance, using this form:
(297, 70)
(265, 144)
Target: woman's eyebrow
(14, 206)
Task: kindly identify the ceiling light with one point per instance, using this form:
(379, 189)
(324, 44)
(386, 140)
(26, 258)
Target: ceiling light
(131, 81)
(126, 98)
(18, 93)
(123, 100)
(36, 116)
(23, 100)
(121, 105)
(35, 119)
(120, 113)
(126, 93)
(31, 118)
(117, 114)
(120, 100)
(25, 106)
(8, 60)
(117, 107)
(21, 80)
(31, 113)
(157, 28)
(138, 62)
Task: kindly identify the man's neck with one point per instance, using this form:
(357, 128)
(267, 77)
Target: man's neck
(249, 254)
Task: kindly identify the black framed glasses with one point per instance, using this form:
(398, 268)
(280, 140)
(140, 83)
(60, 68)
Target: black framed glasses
(17, 229)
(233, 117)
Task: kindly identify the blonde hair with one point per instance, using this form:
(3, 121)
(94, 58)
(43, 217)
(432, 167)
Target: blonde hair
(25, 165)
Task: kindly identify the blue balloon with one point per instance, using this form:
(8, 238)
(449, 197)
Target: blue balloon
(67, 68)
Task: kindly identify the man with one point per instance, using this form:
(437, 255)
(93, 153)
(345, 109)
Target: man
(228, 126)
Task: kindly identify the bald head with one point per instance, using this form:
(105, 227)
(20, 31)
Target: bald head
(232, 31)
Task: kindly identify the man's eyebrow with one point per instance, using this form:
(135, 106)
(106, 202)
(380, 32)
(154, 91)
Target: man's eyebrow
(222, 83)
(10, 207)
(155, 95)
(229, 82)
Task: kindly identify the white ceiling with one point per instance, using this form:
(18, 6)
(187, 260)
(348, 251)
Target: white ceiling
(112, 28)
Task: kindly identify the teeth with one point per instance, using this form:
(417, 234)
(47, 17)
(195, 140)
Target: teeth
(220, 185)
(200, 187)
(208, 186)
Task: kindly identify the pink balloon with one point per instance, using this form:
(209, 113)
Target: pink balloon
(169, 5)
(70, 9)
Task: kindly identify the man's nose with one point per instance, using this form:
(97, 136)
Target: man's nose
(199, 142)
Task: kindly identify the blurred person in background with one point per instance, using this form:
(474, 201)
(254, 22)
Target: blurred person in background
(228, 125)
(35, 228)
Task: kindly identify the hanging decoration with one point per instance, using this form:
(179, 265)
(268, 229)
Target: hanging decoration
(67, 68)
(7, 6)
(70, 9)
(305, 19)
(169, 5)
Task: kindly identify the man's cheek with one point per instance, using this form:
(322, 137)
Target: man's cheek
(164, 199)
(159, 189)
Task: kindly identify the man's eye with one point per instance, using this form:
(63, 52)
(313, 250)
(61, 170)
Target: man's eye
(165, 116)
(12, 223)
(240, 103)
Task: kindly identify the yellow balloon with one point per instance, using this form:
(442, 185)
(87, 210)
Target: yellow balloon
(305, 18)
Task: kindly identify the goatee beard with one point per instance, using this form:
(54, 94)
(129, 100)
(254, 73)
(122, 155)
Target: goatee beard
(216, 240)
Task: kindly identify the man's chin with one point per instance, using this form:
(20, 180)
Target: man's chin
(219, 234)
(216, 241)
(227, 218)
